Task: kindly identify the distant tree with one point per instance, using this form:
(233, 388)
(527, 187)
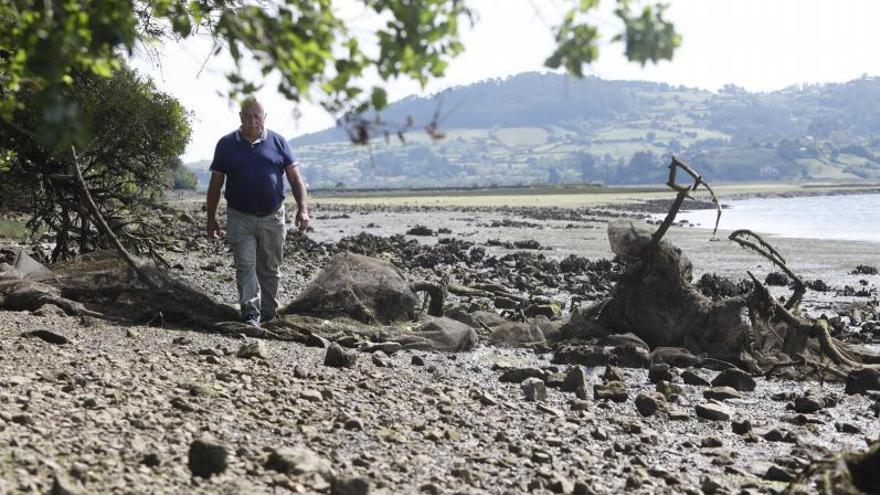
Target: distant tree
(586, 164)
(317, 53)
(182, 178)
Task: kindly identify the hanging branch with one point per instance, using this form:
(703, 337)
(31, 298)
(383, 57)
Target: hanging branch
(684, 191)
(105, 229)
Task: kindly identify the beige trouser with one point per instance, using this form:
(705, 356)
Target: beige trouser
(258, 248)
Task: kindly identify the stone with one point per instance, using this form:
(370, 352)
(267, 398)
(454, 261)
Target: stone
(576, 381)
(534, 389)
(389, 348)
(859, 381)
(659, 371)
(741, 426)
(847, 428)
(255, 349)
(517, 375)
(812, 401)
(62, 485)
(349, 486)
(417, 361)
(649, 403)
(615, 391)
(296, 460)
(381, 359)
(711, 443)
(48, 310)
(721, 393)
(337, 357)
(736, 378)
(47, 336)
(613, 374)
(207, 457)
(776, 473)
(678, 415)
(713, 411)
(311, 395)
(690, 377)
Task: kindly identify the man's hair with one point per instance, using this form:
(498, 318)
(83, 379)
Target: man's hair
(249, 102)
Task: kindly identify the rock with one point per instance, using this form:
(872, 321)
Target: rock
(151, 459)
(296, 460)
(690, 377)
(349, 486)
(776, 473)
(251, 350)
(713, 411)
(659, 371)
(417, 361)
(337, 357)
(517, 375)
(311, 395)
(533, 389)
(46, 335)
(859, 381)
(207, 457)
(847, 428)
(721, 393)
(741, 426)
(736, 378)
(389, 348)
(48, 309)
(649, 403)
(711, 443)
(615, 391)
(61, 485)
(670, 391)
(550, 310)
(613, 374)
(812, 401)
(678, 415)
(576, 381)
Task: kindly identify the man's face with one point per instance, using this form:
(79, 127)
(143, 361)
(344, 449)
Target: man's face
(252, 119)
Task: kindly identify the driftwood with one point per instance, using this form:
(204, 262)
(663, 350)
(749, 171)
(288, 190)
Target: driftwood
(656, 301)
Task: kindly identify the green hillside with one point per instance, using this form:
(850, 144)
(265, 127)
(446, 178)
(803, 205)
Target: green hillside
(547, 128)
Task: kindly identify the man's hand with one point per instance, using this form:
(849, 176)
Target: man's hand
(213, 229)
(302, 220)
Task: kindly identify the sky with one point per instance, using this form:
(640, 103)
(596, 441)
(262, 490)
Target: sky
(761, 45)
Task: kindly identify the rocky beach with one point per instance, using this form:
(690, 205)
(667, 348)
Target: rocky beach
(89, 405)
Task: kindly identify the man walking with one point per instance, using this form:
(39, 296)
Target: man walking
(255, 161)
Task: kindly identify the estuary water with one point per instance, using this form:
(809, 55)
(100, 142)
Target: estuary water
(851, 217)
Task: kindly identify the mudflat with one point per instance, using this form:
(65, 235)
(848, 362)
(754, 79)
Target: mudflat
(132, 408)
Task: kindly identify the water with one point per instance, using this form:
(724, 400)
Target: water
(853, 217)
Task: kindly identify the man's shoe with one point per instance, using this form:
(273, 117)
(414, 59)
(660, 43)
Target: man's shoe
(266, 318)
(253, 320)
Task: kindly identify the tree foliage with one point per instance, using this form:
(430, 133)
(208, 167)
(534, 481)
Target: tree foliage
(318, 55)
(136, 134)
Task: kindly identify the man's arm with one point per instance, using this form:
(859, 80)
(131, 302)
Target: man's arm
(299, 194)
(214, 188)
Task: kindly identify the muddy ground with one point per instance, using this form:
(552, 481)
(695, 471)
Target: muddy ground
(118, 408)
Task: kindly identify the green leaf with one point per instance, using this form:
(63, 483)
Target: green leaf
(379, 98)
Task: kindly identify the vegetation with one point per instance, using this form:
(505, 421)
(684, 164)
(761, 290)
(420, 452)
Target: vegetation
(136, 133)
(546, 128)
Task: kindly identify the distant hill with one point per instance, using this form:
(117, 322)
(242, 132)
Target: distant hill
(548, 128)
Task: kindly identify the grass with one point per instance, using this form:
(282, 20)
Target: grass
(13, 229)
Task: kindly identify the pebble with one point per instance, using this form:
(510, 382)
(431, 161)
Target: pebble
(721, 393)
(713, 411)
(649, 403)
(659, 371)
(251, 350)
(614, 391)
(296, 460)
(207, 457)
(736, 378)
(517, 375)
(337, 357)
(859, 381)
(690, 377)
(534, 389)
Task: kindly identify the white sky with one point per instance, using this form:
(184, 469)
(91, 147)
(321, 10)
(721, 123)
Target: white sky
(762, 45)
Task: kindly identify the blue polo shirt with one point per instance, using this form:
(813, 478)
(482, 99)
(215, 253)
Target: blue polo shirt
(254, 172)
